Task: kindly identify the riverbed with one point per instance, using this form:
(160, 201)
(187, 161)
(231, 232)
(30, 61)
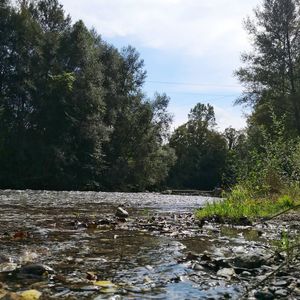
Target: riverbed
(160, 251)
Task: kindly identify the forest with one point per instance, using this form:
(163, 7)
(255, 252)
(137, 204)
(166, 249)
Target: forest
(74, 114)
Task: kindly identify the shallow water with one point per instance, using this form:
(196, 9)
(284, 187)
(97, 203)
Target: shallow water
(58, 229)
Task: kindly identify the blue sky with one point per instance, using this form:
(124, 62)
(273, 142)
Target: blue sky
(190, 47)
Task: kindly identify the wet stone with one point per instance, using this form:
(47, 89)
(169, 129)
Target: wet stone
(226, 272)
(121, 213)
(281, 293)
(8, 267)
(34, 270)
(245, 274)
(104, 222)
(264, 295)
(250, 261)
(281, 283)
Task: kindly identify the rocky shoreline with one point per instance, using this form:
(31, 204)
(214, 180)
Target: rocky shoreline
(140, 253)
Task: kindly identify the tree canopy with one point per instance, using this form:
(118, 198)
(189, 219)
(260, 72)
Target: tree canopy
(73, 111)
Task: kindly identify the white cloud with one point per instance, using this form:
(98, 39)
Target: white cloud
(229, 116)
(225, 117)
(195, 27)
(201, 40)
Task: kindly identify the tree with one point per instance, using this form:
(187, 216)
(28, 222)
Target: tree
(236, 154)
(271, 71)
(200, 151)
(21, 41)
(135, 155)
(72, 108)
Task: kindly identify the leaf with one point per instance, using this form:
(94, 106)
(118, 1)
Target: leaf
(31, 295)
(20, 235)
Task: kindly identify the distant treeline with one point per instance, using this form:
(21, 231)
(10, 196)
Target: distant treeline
(73, 113)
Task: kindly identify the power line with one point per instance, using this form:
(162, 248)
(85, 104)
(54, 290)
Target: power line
(194, 84)
(204, 95)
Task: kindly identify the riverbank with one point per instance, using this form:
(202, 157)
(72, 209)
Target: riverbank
(159, 251)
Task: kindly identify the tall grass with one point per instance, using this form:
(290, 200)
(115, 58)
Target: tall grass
(240, 202)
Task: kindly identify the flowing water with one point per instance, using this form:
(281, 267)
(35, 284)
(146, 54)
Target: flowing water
(77, 235)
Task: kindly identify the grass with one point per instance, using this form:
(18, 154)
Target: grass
(240, 203)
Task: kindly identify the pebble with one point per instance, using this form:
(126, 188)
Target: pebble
(281, 283)
(121, 213)
(281, 293)
(246, 274)
(34, 270)
(226, 272)
(8, 267)
(264, 295)
(250, 261)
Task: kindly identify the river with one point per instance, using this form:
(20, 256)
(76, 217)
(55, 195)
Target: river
(77, 235)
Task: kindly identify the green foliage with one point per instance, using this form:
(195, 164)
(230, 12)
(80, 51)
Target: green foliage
(73, 112)
(241, 202)
(268, 166)
(288, 244)
(200, 151)
(271, 71)
(285, 201)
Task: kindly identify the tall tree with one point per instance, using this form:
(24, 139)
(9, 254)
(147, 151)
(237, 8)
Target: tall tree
(21, 40)
(135, 155)
(72, 108)
(200, 151)
(271, 71)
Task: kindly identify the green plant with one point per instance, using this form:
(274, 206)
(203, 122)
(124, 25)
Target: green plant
(285, 201)
(241, 202)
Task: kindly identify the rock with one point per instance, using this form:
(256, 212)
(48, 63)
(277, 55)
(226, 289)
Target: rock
(191, 256)
(264, 295)
(34, 271)
(226, 272)
(281, 293)
(281, 283)
(246, 274)
(4, 259)
(8, 267)
(297, 292)
(90, 288)
(121, 213)
(250, 261)
(244, 221)
(105, 222)
(197, 267)
(221, 263)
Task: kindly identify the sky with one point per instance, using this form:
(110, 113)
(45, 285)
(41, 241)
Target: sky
(190, 48)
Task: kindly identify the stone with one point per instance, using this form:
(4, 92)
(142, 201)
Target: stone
(197, 267)
(8, 267)
(250, 261)
(34, 270)
(226, 272)
(263, 295)
(281, 283)
(246, 274)
(281, 293)
(121, 213)
(297, 292)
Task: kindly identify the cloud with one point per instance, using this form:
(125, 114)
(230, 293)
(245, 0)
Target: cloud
(225, 116)
(194, 27)
(187, 41)
(229, 116)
